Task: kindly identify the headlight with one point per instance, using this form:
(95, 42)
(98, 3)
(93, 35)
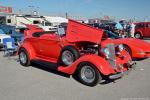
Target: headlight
(120, 47)
(106, 52)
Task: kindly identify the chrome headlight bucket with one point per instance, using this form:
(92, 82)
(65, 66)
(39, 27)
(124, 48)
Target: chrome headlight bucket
(106, 52)
(120, 47)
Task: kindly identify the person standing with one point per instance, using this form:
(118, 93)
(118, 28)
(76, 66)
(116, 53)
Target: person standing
(132, 29)
(119, 28)
(128, 30)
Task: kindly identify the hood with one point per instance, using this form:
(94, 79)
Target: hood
(77, 32)
(138, 43)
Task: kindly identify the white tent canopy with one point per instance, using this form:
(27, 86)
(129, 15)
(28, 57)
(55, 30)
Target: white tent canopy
(56, 20)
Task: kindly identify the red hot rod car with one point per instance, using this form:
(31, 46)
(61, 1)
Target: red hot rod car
(80, 50)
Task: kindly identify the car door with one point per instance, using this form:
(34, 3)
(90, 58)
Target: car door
(50, 45)
(35, 40)
(147, 30)
(141, 28)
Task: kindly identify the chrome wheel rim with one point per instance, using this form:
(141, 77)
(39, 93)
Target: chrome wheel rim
(87, 74)
(67, 57)
(23, 58)
(137, 36)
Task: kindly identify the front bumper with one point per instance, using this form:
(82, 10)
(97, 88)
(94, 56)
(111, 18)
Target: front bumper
(124, 64)
(120, 74)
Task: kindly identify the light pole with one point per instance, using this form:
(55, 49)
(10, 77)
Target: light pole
(31, 8)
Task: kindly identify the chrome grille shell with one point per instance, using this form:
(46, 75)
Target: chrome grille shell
(112, 55)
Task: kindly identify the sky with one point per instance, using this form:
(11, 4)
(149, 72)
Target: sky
(120, 9)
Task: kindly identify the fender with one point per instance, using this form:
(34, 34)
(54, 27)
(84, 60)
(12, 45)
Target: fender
(123, 54)
(28, 47)
(101, 64)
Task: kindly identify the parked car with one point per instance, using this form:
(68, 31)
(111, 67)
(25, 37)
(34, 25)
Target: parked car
(80, 51)
(142, 29)
(15, 32)
(108, 26)
(2, 36)
(137, 48)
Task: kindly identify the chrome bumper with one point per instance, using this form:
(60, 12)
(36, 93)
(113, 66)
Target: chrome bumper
(116, 76)
(120, 74)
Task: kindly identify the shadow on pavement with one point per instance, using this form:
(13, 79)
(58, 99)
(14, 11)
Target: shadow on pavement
(139, 59)
(45, 68)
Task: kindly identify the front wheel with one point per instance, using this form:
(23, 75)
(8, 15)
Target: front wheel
(24, 57)
(69, 54)
(88, 74)
(128, 50)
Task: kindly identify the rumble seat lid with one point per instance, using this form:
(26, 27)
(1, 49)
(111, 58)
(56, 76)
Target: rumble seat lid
(77, 32)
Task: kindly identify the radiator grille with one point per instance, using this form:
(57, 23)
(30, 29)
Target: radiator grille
(112, 56)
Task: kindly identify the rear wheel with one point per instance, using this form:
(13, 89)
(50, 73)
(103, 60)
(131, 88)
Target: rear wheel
(88, 74)
(138, 35)
(24, 57)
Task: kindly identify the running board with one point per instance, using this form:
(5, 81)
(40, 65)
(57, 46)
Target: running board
(46, 64)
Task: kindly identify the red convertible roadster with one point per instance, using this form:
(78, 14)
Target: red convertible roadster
(80, 51)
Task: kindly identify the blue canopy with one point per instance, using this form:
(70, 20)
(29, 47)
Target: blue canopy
(118, 26)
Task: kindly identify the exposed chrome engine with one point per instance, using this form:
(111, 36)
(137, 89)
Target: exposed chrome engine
(109, 52)
(89, 48)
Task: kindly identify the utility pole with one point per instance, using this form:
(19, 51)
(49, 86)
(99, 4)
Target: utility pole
(66, 15)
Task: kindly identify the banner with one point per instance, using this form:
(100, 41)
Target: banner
(5, 9)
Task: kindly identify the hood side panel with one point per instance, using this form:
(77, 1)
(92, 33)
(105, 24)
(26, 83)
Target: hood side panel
(77, 32)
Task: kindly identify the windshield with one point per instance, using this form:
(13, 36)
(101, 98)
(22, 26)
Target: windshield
(111, 35)
(48, 24)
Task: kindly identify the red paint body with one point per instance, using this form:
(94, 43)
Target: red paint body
(139, 48)
(48, 47)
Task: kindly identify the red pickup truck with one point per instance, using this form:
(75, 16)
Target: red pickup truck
(142, 29)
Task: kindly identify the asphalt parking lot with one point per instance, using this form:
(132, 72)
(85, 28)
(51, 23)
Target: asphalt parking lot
(37, 83)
